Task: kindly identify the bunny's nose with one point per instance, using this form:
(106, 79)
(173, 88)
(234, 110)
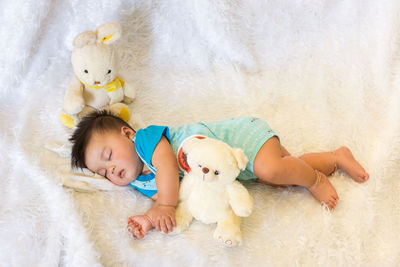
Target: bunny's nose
(96, 82)
(205, 170)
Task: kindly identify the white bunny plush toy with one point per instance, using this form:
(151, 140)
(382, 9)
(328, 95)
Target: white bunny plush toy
(96, 84)
(209, 191)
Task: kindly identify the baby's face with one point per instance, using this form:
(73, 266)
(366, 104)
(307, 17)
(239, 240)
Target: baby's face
(112, 154)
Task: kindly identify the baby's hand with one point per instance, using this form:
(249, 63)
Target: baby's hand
(163, 217)
(139, 225)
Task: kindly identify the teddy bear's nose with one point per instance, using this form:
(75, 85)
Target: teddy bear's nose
(96, 82)
(205, 170)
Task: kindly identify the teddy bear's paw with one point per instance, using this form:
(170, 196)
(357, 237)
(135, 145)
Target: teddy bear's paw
(183, 220)
(228, 238)
(244, 210)
(74, 104)
(177, 230)
(130, 94)
(129, 91)
(181, 225)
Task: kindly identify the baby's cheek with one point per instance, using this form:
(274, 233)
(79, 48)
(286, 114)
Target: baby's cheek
(113, 180)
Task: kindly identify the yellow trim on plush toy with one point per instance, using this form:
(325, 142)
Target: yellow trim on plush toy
(106, 38)
(112, 86)
(67, 121)
(124, 114)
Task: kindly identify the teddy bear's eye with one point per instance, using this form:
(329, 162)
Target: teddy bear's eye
(109, 71)
(199, 165)
(86, 71)
(216, 172)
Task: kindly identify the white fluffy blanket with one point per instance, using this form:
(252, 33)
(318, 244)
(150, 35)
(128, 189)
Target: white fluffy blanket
(322, 73)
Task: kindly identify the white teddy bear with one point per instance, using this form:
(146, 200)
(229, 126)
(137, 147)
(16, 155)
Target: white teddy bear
(209, 191)
(96, 84)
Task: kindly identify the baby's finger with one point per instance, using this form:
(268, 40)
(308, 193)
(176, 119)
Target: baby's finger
(142, 233)
(173, 220)
(131, 227)
(168, 224)
(139, 235)
(157, 225)
(136, 233)
(163, 227)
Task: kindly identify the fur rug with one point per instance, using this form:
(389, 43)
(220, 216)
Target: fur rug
(321, 73)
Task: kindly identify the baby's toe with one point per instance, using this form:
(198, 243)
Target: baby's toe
(362, 178)
(332, 203)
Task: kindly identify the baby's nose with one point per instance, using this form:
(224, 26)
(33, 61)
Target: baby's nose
(111, 169)
(205, 170)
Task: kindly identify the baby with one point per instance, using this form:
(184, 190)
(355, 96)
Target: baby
(146, 160)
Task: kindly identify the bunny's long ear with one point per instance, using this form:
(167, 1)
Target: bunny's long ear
(108, 33)
(240, 158)
(84, 38)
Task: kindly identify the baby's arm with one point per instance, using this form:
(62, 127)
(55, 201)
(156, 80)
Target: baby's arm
(167, 175)
(162, 213)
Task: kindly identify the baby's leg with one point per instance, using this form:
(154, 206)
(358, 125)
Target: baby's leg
(328, 162)
(272, 165)
(139, 225)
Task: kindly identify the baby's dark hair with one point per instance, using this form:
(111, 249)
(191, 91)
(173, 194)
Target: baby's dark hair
(99, 121)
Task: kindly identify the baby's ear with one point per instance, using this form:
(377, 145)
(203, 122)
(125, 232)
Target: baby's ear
(240, 157)
(128, 132)
(108, 33)
(84, 38)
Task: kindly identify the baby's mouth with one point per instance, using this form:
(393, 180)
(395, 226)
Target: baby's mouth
(121, 173)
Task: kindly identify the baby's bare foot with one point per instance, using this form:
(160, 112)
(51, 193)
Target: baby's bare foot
(346, 162)
(139, 225)
(324, 191)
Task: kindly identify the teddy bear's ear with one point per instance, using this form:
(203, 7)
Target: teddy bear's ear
(84, 38)
(108, 33)
(191, 141)
(240, 158)
(188, 144)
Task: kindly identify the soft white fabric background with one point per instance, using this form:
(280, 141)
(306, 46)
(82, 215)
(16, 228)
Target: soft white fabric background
(322, 73)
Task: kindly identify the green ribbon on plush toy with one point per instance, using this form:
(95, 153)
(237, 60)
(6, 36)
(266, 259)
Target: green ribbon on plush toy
(111, 86)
